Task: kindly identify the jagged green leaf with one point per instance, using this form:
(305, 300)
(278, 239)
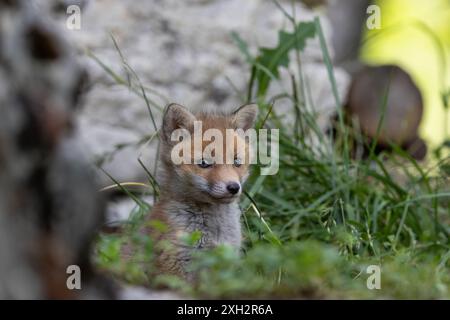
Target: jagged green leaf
(272, 58)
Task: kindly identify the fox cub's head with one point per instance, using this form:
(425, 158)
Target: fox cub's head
(206, 156)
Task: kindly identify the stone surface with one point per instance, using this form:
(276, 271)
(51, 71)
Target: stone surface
(119, 210)
(183, 51)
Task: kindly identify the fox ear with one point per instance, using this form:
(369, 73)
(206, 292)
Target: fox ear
(176, 117)
(245, 116)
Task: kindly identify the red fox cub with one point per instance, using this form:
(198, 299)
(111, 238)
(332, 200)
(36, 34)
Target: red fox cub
(201, 194)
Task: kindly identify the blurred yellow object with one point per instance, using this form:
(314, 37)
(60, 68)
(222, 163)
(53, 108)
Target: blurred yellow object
(415, 34)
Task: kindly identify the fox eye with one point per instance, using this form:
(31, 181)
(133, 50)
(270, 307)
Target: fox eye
(204, 164)
(237, 162)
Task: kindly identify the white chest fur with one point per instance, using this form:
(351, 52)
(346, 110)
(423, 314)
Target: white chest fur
(218, 224)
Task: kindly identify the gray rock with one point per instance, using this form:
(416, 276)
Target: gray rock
(183, 50)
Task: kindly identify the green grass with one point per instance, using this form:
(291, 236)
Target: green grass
(312, 229)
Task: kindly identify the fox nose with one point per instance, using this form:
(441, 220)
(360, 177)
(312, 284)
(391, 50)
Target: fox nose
(233, 187)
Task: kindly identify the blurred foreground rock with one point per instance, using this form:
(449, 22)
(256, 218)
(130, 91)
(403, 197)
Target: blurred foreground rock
(49, 205)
